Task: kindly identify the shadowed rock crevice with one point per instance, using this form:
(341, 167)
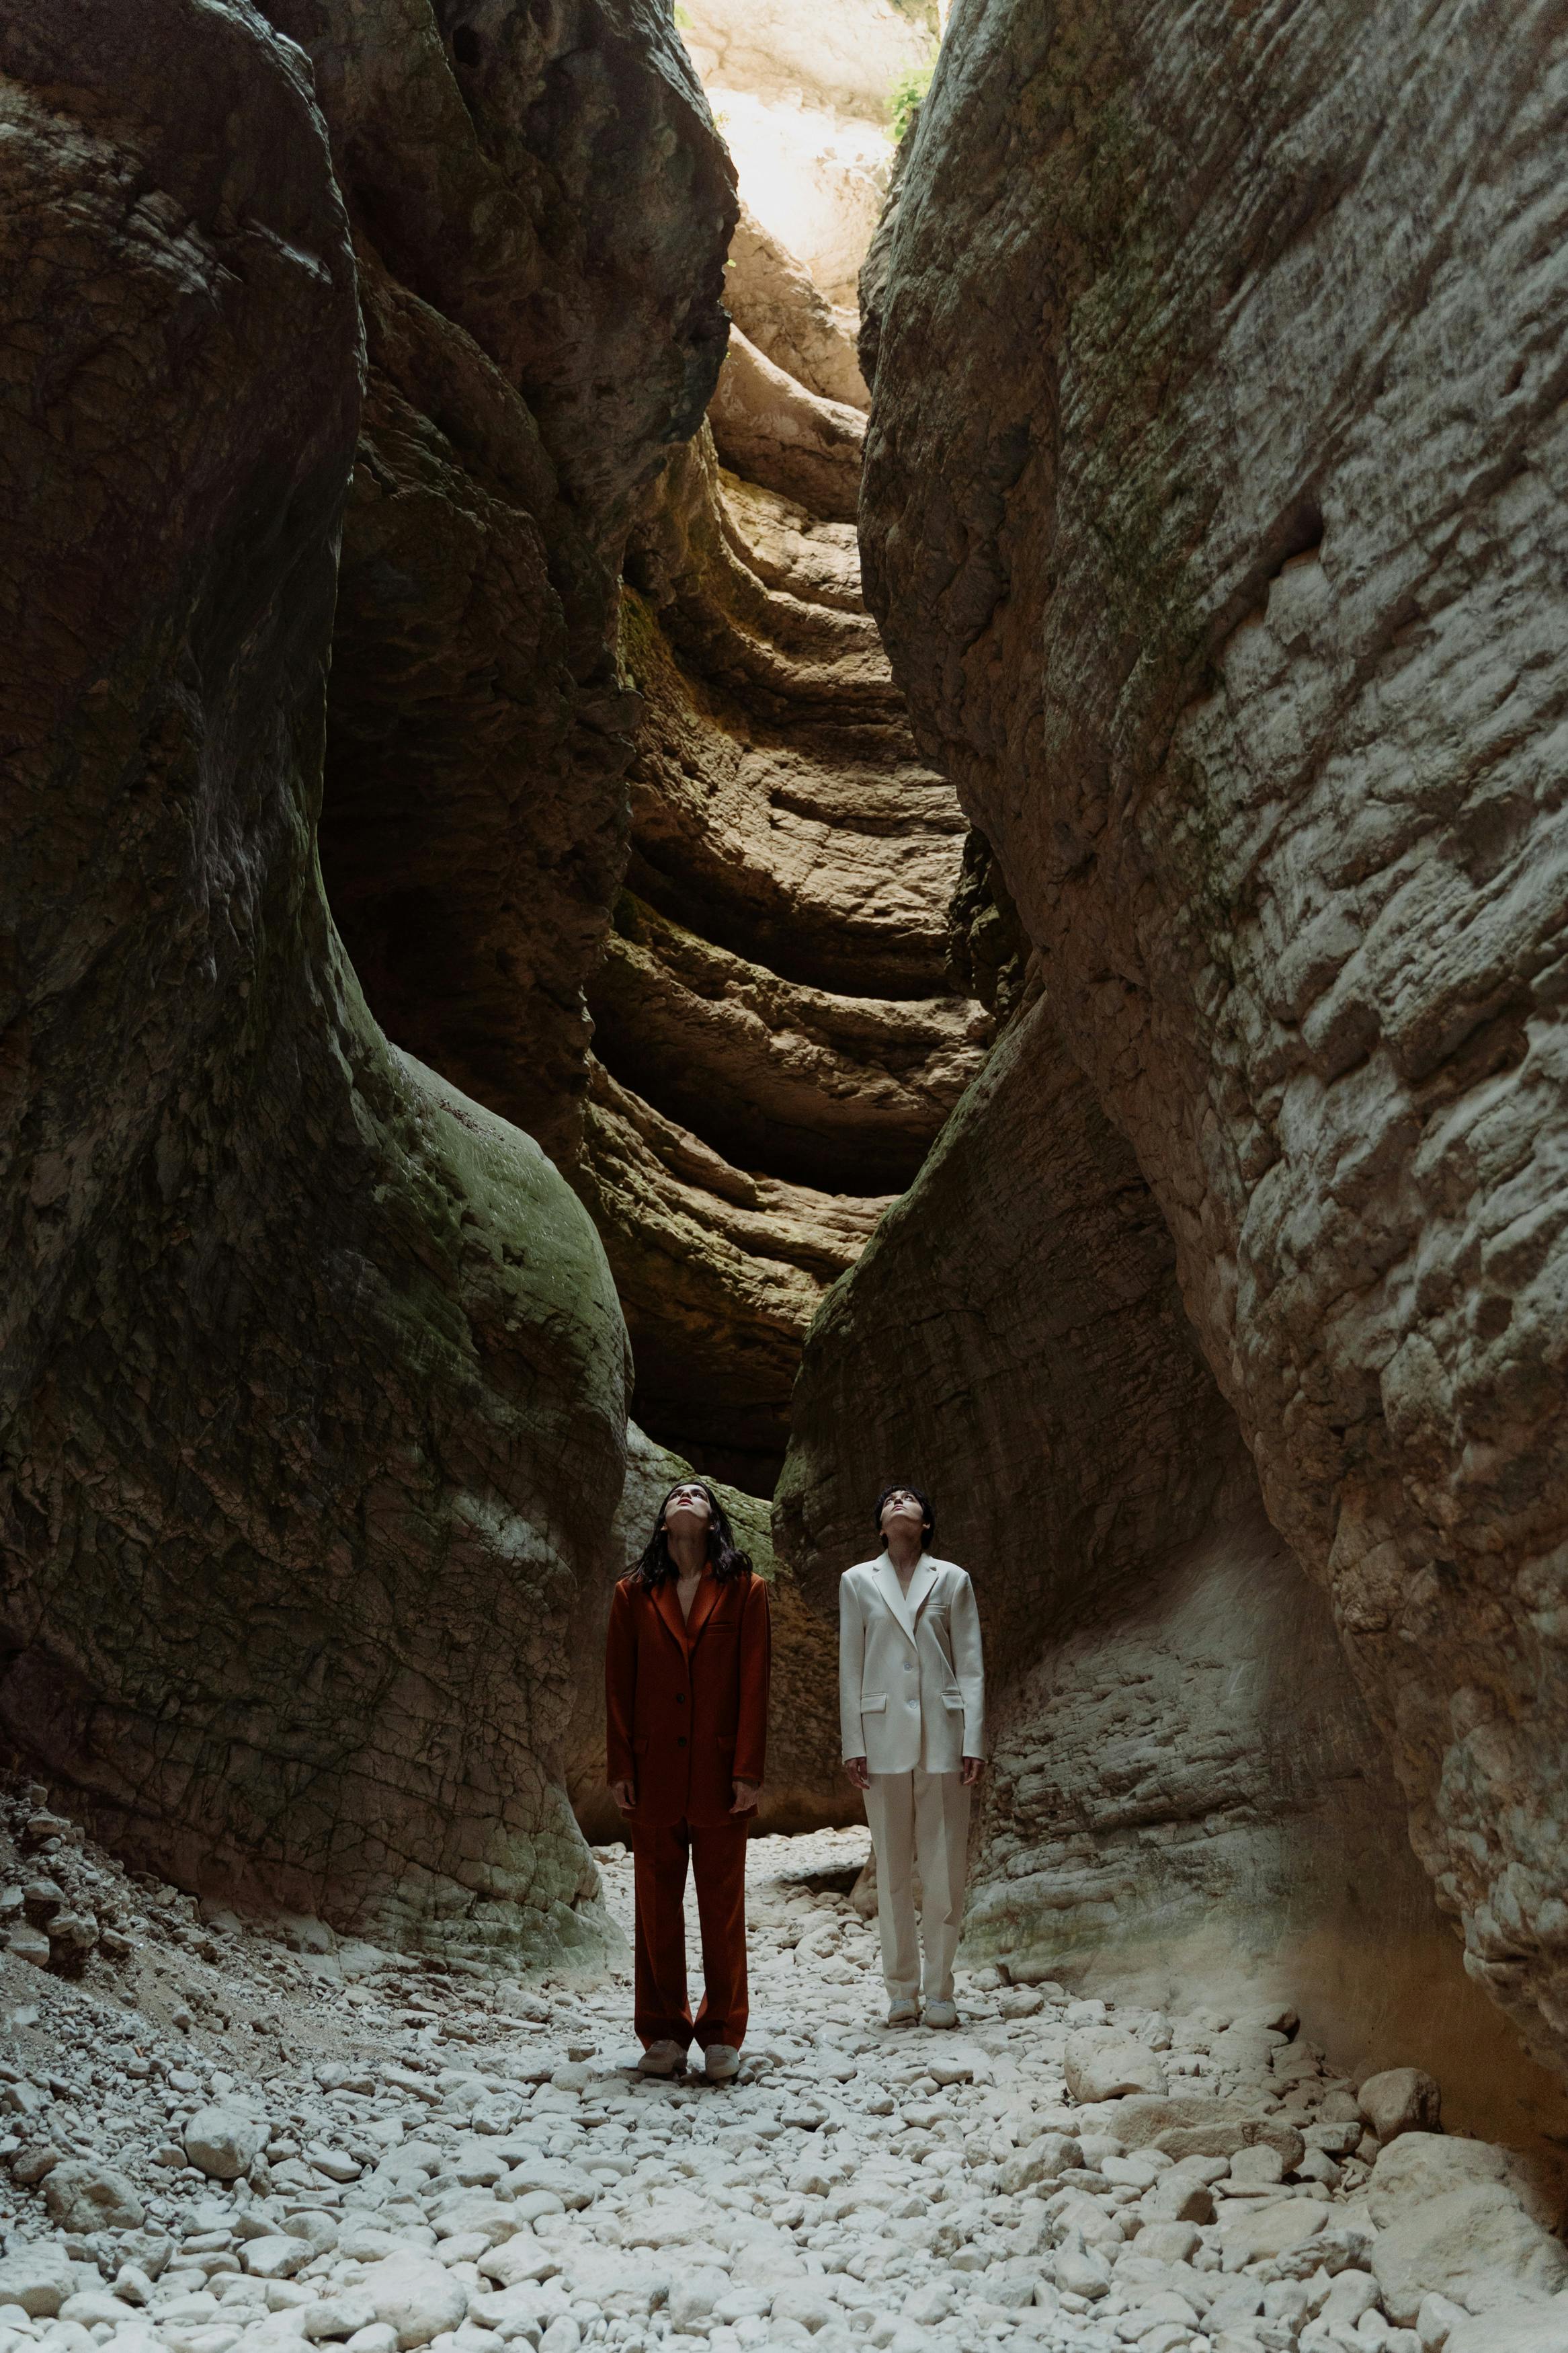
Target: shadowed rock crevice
(541, 206)
(778, 1033)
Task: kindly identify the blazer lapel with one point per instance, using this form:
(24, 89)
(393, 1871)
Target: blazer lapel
(894, 1596)
(920, 1583)
(669, 1609)
(704, 1601)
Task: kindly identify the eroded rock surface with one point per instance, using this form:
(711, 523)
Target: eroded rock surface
(779, 1038)
(1185, 1784)
(541, 206)
(1229, 595)
(313, 1374)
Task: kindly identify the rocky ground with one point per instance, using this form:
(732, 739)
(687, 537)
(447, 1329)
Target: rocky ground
(223, 2136)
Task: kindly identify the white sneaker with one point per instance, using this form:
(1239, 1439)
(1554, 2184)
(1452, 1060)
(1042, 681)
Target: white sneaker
(942, 2013)
(662, 2059)
(903, 2013)
(720, 2063)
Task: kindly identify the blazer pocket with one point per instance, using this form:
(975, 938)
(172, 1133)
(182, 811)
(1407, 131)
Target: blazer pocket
(873, 1703)
(952, 1699)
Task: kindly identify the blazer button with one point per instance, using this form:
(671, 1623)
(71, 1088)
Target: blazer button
(680, 1699)
(680, 1739)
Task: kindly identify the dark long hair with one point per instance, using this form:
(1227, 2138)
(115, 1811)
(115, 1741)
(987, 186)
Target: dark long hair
(725, 1557)
(928, 1509)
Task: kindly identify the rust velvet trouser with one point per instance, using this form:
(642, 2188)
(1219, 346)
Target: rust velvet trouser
(663, 2013)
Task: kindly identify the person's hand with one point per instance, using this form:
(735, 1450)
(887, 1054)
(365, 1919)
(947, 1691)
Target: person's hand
(746, 1796)
(972, 1769)
(856, 1769)
(625, 1795)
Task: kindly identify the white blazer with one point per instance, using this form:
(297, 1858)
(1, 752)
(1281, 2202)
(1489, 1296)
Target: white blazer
(911, 1684)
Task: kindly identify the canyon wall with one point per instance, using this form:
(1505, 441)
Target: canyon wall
(1186, 1788)
(1228, 594)
(315, 1378)
(539, 207)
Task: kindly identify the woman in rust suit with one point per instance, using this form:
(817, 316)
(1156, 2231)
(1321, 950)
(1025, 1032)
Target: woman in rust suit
(685, 1711)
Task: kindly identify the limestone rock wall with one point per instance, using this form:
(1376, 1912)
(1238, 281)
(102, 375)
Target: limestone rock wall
(1186, 1788)
(1229, 595)
(312, 1377)
(540, 207)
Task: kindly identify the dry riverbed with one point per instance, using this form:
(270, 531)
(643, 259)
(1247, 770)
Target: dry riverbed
(238, 2137)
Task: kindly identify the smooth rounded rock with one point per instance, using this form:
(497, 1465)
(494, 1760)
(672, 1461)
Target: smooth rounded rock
(224, 2140)
(84, 2196)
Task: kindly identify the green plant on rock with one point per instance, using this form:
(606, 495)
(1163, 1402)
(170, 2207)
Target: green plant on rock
(906, 92)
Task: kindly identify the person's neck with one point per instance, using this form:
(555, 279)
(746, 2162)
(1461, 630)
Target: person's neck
(904, 1552)
(689, 1554)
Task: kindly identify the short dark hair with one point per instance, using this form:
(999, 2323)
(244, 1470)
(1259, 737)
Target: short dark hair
(725, 1557)
(928, 1509)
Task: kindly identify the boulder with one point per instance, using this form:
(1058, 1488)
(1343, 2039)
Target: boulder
(1510, 2328)
(416, 2297)
(225, 2140)
(1101, 2063)
(1477, 2246)
(84, 2196)
(39, 2277)
(1270, 2229)
(1401, 2100)
(1421, 2166)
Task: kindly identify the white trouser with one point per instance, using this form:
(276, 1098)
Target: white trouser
(919, 1820)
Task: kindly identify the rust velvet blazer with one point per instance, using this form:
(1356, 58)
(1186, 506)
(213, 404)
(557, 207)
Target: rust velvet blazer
(686, 1706)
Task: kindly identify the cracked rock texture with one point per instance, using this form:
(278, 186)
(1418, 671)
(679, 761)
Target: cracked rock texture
(540, 207)
(1229, 595)
(1185, 1784)
(313, 1374)
(778, 1039)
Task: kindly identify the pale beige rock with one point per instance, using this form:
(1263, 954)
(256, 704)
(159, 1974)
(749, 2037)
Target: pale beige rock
(1477, 2245)
(1421, 2166)
(1270, 2229)
(768, 426)
(1101, 2063)
(1400, 2100)
(775, 302)
(1513, 2328)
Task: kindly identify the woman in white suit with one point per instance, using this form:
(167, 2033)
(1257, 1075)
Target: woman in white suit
(911, 1690)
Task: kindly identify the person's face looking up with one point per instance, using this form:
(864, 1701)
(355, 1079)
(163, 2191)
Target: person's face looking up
(902, 1515)
(686, 1512)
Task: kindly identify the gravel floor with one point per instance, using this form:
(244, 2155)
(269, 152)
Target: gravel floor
(220, 2138)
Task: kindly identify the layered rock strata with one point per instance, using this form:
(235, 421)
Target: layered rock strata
(1228, 594)
(777, 1036)
(313, 1388)
(540, 207)
(1185, 1786)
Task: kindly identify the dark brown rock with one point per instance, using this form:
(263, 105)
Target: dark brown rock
(541, 206)
(314, 1377)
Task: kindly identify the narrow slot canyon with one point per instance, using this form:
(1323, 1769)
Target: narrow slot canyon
(808, 742)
